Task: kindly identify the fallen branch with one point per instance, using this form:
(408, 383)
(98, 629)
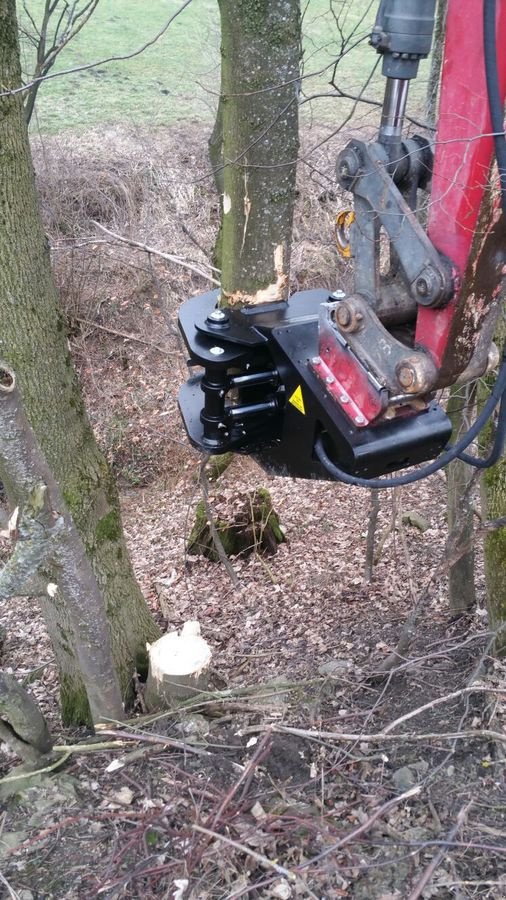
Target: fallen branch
(364, 827)
(439, 700)
(263, 860)
(60, 761)
(380, 736)
(123, 334)
(261, 752)
(169, 257)
(438, 858)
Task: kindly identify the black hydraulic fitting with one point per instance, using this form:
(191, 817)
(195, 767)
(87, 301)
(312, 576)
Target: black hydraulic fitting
(403, 35)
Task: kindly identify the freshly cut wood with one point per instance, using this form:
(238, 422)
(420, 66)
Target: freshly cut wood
(178, 667)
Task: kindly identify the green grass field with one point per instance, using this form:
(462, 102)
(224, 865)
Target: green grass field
(176, 80)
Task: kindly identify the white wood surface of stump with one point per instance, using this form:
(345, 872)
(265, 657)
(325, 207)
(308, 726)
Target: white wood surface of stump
(178, 667)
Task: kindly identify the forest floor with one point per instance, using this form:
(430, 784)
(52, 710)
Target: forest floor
(307, 772)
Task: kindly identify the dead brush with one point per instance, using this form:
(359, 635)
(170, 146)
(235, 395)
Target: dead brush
(315, 262)
(75, 190)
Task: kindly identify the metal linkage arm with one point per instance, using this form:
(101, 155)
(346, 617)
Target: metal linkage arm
(363, 169)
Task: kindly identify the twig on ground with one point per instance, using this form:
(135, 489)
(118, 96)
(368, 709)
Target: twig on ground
(438, 858)
(158, 739)
(364, 827)
(31, 774)
(12, 893)
(439, 700)
(263, 860)
(261, 752)
(380, 736)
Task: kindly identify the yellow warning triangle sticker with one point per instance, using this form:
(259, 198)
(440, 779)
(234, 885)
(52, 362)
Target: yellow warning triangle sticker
(297, 400)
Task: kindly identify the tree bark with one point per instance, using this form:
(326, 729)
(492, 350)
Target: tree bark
(461, 581)
(33, 342)
(260, 55)
(47, 533)
(493, 493)
(436, 62)
(215, 145)
(371, 534)
(22, 725)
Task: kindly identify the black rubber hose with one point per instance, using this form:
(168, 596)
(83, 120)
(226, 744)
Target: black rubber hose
(497, 395)
(494, 93)
(498, 445)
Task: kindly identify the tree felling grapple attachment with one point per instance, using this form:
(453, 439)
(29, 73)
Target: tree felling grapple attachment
(344, 384)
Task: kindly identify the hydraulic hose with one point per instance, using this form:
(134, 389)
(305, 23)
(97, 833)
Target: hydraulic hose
(497, 395)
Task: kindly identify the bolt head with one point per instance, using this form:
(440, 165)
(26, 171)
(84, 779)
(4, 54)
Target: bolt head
(217, 316)
(343, 315)
(330, 379)
(422, 287)
(344, 398)
(338, 295)
(217, 351)
(316, 360)
(406, 376)
(359, 420)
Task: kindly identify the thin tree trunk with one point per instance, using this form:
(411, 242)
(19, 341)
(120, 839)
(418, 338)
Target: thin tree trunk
(436, 62)
(260, 55)
(371, 534)
(33, 342)
(461, 580)
(493, 494)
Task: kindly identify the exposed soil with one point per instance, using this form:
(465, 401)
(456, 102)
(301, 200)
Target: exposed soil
(298, 646)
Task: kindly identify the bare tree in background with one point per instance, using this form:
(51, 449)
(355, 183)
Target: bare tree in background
(61, 22)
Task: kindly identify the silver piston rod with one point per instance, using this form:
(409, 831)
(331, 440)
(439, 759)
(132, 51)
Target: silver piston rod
(394, 108)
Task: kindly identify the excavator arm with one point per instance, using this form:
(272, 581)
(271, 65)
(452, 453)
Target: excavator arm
(343, 385)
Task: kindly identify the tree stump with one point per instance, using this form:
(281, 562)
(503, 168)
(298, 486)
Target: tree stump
(245, 524)
(178, 667)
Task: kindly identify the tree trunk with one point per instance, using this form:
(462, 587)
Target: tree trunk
(461, 582)
(436, 62)
(372, 523)
(22, 725)
(47, 533)
(493, 493)
(33, 342)
(260, 55)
